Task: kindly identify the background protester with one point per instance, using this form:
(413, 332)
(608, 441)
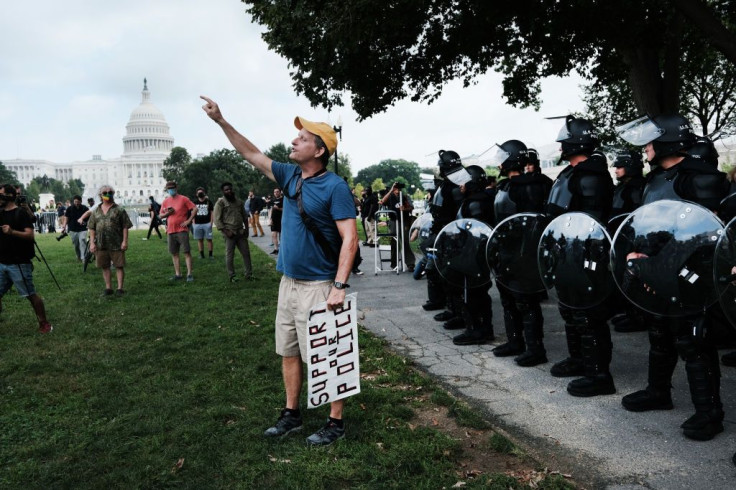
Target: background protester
(154, 208)
(77, 231)
(231, 219)
(277, 209)
(108, 227)
(16, 252)
(368, 209)
(397, 201)
(255, 206)
(179, 212)
(202, 228)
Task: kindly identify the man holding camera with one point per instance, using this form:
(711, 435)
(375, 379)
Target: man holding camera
(16, 252)
(395, 200)
(77, 230)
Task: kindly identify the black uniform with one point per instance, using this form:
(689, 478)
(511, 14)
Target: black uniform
(522, 313)
(586, 187)
(689, 180)
(444, 208)
(477, 312)
(627, 195)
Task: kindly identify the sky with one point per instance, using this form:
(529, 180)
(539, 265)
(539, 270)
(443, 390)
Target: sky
(71, 73)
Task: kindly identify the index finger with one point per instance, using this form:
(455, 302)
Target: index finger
(210, 101)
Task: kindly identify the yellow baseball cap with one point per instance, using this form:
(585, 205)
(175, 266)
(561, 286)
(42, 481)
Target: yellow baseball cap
(323, 130)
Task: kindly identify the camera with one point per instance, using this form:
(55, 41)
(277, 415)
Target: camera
(21, 199)
(399, 185)
(62, 236)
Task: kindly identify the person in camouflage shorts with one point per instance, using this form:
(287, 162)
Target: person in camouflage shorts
(108, 234)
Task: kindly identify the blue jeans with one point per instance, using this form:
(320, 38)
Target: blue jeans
(20, 275)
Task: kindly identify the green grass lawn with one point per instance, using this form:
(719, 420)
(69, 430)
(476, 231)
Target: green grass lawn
(173, 384)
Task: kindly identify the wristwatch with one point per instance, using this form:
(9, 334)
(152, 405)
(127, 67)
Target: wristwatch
(341, 285)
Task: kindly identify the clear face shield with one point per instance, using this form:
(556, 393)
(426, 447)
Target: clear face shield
(498, 156)
(458, 176)
(564, 133)
(640, 131)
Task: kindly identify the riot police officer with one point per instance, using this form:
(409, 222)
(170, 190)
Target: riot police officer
(676, 175)
(445, 204)
(627, 197)
(522, 314)
(628, 191)
(586, 186)
(477, 310)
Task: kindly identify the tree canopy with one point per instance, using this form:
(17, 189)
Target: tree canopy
(390, 171)
(7, 176)
(61, 191)
(412, 48)
(220, 166)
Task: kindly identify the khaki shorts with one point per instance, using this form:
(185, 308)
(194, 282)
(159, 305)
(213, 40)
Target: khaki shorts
(296, 298)
(104, 257)
(178, 241)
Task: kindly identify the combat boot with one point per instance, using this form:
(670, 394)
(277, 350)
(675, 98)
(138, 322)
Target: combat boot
(535, 354)
(473, 336)
(573, 365)
(656, 396)
(514, 340)
(596, 358)
(705, 387)
(455, 323)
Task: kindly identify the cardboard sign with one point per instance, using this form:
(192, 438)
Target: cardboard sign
(333, 370)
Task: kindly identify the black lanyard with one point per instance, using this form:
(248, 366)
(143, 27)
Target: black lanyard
(300, 182)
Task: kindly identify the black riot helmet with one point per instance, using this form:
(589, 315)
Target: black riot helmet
(677, 136)
(630, 161)
(478, 179)
(534, 159)
(449, 160)
(510, 156)
(669, 134)
(705, 151)
(578, 137)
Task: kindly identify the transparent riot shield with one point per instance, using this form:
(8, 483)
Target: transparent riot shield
(724, 271)
(512, 252)
(573, 258)
(460, 253)
(615, 223)
(662, 257)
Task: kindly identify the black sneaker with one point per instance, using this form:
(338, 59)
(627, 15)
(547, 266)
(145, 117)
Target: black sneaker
(357, 272)
(286, 424)
(326, 435)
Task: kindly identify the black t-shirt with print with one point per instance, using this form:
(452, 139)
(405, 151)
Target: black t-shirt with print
(204, 211)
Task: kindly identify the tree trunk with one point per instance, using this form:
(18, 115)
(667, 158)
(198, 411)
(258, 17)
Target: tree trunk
(645, 80)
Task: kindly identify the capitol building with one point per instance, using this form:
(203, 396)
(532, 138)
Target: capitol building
(136, 175)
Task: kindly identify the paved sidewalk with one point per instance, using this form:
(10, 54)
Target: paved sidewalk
(595, 439)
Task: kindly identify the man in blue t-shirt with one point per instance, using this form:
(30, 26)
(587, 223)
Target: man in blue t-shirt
(314, 270)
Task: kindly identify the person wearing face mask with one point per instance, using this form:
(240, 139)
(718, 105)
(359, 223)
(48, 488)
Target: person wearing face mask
(108, 227)
(203, 222)
(232, 220)
(16, 252)
(179, 212)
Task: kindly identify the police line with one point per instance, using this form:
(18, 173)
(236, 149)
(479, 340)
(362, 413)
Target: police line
(669, 258)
